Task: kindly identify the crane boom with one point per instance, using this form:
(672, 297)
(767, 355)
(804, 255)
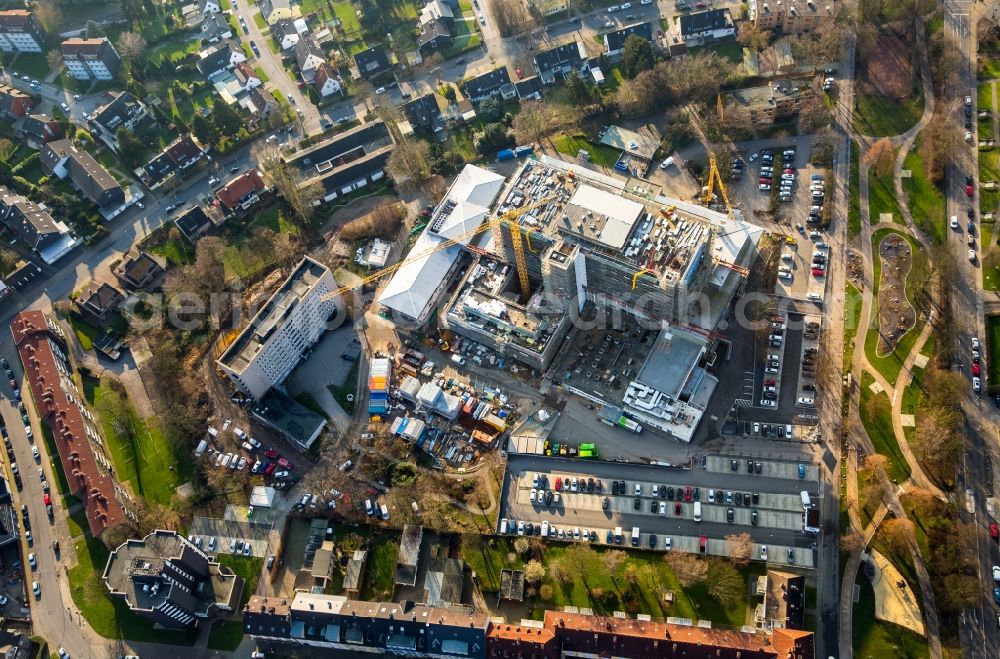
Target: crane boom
(715, 177)
(509, 218)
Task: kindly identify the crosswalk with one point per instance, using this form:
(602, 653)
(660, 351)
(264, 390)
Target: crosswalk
(743, 402)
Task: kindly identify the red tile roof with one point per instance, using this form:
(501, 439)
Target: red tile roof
(14, 17)
(626, 637)
(507, 640)
(247, 182)
(87, 481)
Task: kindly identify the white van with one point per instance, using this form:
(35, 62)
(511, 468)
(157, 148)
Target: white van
(635, 536)
(711, 493)
(368, 507)
(503, 526)
(202, 446)
(697, 511)
(385, 512)
(458, 359)
(663, 509)
(805, 499)
(545, 529)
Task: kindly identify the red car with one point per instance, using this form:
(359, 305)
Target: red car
(687, 493)
(818, 272)
(558, 484)
(282, 462)
(270, 469)
(47, 499)
(520, 73)
(994, 531)
(968, 190)
(976, 369)
(271, 453)
(677, 509)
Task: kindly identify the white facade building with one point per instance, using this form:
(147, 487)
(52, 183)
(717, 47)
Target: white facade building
(291, 321)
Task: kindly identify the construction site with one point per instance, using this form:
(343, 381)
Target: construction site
(573, 258)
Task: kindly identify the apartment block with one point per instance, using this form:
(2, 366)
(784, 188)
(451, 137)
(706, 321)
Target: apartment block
(20, 32)
(291, 321)
(775, 101)
(166, 579)
(91, 59)
(788, 16)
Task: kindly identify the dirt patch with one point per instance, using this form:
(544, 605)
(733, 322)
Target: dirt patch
(855, 268)
(896, 315)
(890, 71)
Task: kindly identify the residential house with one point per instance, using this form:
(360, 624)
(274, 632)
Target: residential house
(123, 110)
(435, 10)
(529, 88)
(495, 83)
(140, 271)
(261, 103)
(242, 191)
(372, 61)
(16, 645)
(33, 224)
(287, 32)
(561, 60)
(706, 26)
(20, 32)
(548, 7)
(91, 59)
(99, 302)
(215, 27)
(193, 223)
(209, 7)
(433, 35)
(275, 10)
(14, 103)
(309, 55)
(217, 60)
(614, 42)
(76, 438)
(347, 161)
(800, 17)
(246, 76)
(37, 129)
(773, 102)
(422, 112)
(63, 158)
(177, 157)
(171, 582)
(327, 80)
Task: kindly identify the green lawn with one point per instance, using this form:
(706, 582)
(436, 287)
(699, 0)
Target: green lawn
(171, 245)
(925, 200)
(984, 97)
(465, 37)
(913, 392)
(349, 387)
(873, 638)
(729, 50)
(33, 64)
(993, 346)
(275, 220)
(852, 318)
(259, 20)
(989, 170)
(225, 635)
(247, 567)
(345, 11)
(86, 334)
(991, 67)
(854, 193)
(488, 558)
(111, 618)
(600, 154)
(260, 74)
(882, 198)
(381, 568)
(55, 464)
(147, 461)
(881, 116)
(876, 416)
(173, 51)
(308, 402)
(890, 365)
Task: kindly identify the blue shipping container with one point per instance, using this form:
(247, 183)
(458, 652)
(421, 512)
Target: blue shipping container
(504, 154)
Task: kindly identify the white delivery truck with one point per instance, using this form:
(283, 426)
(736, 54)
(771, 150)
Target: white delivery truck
(697, 511)
(618, 535)
(805, 499)
(635, 536)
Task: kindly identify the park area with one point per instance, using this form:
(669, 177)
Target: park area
(896, 316)
(888, 102)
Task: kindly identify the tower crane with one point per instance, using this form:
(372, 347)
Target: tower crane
(495, 222)
(715, 178)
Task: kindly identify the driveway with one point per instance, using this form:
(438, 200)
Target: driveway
(325, 367)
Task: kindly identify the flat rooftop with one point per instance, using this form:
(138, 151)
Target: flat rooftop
(642, 144)
(253, 338)
(674, 355)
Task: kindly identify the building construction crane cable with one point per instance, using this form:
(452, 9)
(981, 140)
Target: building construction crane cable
(509, 218)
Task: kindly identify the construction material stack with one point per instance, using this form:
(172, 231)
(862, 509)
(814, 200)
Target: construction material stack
(378, 387)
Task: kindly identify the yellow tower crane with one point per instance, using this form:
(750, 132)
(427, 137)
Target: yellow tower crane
(714, 178)
(509, 218)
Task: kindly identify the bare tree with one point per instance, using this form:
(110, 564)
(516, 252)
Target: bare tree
(409, 164)
(752, 37)
(940, 141)
(725, 583)
(740, 547)
(538, 120)
(559, 572)
(534, 571)
(898, 534)
(54, 59)
(131, 46)
(47, 15)
(851, 541)
(881, 156)
(613, 560)
(688, 568)
(300, 196)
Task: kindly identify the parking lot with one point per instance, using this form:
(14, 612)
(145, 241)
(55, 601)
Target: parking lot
(577, 514)
(225, 531)
(795, 273)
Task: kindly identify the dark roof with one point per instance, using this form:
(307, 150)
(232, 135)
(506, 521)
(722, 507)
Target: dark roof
(572, 53)
(89, 175)
(29, 221)
(305, 47)
(262, 98)
(184, 151)
(101, 297)
(34, 343)
(136, 268)
(342, 147)
(193, 222)
(290, 418)
(342, 175)
(372, 61)
(284, 27)
(217, 59)
(616, 39)
(41, 126)
(215, 26)
(486, 83)
(421, 112)
(118, 110)
(528, 86)
(432, 30)
(157, 169)
(703, 21)
(14, 101)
